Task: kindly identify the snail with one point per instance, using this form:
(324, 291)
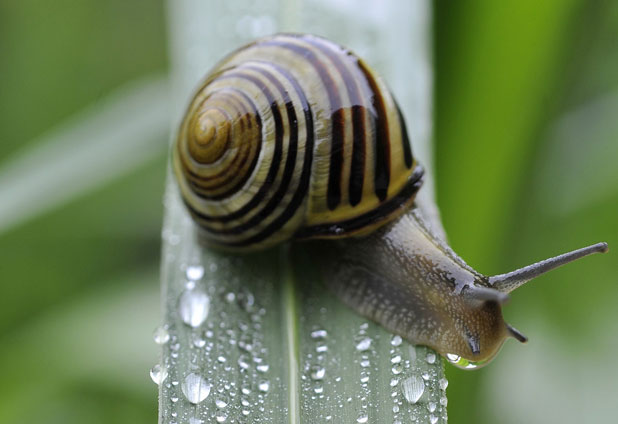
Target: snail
(294, 137)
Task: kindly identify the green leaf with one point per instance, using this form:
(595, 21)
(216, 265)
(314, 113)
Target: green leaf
(266, 341)
(275, 345)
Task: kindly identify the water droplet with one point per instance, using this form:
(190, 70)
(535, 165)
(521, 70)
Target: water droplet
(413, 389)
(198, 341)
(396, 340)
(193, 306)
(242, 362)
(221, 403)
(425, 376)
(317, 373)
(262, 367)
(431, 358)
(158, 374)
(230, 297)
(394, 382)
(433, 419)
(221, 359)
(195, 388)
(220, 417)
(264, 385)
(194, 420)
(195, 272)
(396, 409)
(174, 399)
(365, 363)
(431, 406)
(397, 368)
(364, 379)
(443, 401)
(443, 383)
(160, 335)
(318, 389)
(321, 348)
(364, 344)
(452, 357)
(396, 359)
(362, 418)
(319, 334)
(247, 347)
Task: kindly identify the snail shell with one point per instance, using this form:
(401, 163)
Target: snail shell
(293, 137)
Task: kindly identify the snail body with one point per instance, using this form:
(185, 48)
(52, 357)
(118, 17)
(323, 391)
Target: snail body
(294, 137)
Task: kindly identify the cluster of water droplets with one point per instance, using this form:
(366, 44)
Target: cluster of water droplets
(216, 341)
(416, 396)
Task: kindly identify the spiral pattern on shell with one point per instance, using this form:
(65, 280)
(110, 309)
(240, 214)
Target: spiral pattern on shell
(293, 136)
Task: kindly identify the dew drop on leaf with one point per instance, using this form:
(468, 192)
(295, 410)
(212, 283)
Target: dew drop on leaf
(362, 418)
(195, 272)
(319, 334)
(413, 388)
(317, 373)
(195, 388)
(364, 344)
(193, 307)
(158, 374)
(263, 386)
(161, 335)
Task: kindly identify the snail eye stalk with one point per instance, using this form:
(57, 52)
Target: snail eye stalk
(508, 282)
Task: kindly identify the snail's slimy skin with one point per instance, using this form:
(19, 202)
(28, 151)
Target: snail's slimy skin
(406, 280)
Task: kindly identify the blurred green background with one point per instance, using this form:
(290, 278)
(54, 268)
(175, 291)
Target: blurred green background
(526, 139)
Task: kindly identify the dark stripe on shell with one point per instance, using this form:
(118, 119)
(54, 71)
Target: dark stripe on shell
(357, 167)
(405, 141)
(357, 170)
(381, 137)
(381, 213)
(333, 194)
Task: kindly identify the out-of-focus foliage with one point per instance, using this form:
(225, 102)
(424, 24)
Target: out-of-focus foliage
(526, 140)
(79, 285)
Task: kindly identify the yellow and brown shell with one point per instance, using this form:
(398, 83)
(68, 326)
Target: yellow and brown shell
(293, 136)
